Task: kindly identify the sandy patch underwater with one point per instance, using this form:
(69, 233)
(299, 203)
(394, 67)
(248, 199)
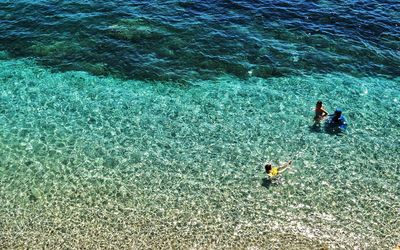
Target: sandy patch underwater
(101, 163)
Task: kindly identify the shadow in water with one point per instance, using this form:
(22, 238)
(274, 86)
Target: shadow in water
(266, 182)
(316, 128)
(334, 130)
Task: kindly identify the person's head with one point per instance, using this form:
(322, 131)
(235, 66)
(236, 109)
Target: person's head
(319, 104)
(338, 112)
(268, 168)
(337, 115)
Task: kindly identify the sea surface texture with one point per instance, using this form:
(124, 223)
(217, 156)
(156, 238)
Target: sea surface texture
(147, 124)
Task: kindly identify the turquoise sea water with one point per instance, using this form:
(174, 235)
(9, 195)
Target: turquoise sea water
(153, 134)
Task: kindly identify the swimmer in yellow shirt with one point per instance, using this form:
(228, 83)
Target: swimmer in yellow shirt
(273, 172)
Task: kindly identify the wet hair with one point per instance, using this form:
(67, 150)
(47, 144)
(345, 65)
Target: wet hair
(319, 103)
(268, 168)
(338, 112)
(337, 115)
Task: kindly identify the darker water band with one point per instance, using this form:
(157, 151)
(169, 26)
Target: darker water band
(185, 40)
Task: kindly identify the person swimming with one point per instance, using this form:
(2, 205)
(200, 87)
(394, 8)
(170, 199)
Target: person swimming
(275, 171)
(320, 112)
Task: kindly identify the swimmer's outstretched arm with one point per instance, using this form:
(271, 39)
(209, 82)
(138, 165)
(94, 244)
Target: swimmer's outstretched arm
(285, 166)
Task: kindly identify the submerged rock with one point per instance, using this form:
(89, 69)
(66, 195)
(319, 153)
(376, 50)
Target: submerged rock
(137, 30)
(35, 194)
(4, 55)
(58, 47)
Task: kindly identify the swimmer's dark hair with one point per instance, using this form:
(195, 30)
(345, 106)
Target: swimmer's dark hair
(319, 102)
(268, 168)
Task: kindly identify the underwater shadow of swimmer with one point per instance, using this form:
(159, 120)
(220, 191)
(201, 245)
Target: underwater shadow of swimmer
(334, 131)
(316, 128)
(266, 182)
(320, 128)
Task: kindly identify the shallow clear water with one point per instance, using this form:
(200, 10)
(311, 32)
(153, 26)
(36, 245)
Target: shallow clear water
(106, 144)
(85, 157)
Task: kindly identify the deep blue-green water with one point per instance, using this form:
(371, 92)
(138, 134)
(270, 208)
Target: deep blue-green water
(131, 125)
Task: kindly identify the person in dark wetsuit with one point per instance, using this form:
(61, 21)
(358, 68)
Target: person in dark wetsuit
(338, 119)
(336, 123)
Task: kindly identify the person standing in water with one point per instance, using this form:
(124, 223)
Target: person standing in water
(320, 112)
(337, 121)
